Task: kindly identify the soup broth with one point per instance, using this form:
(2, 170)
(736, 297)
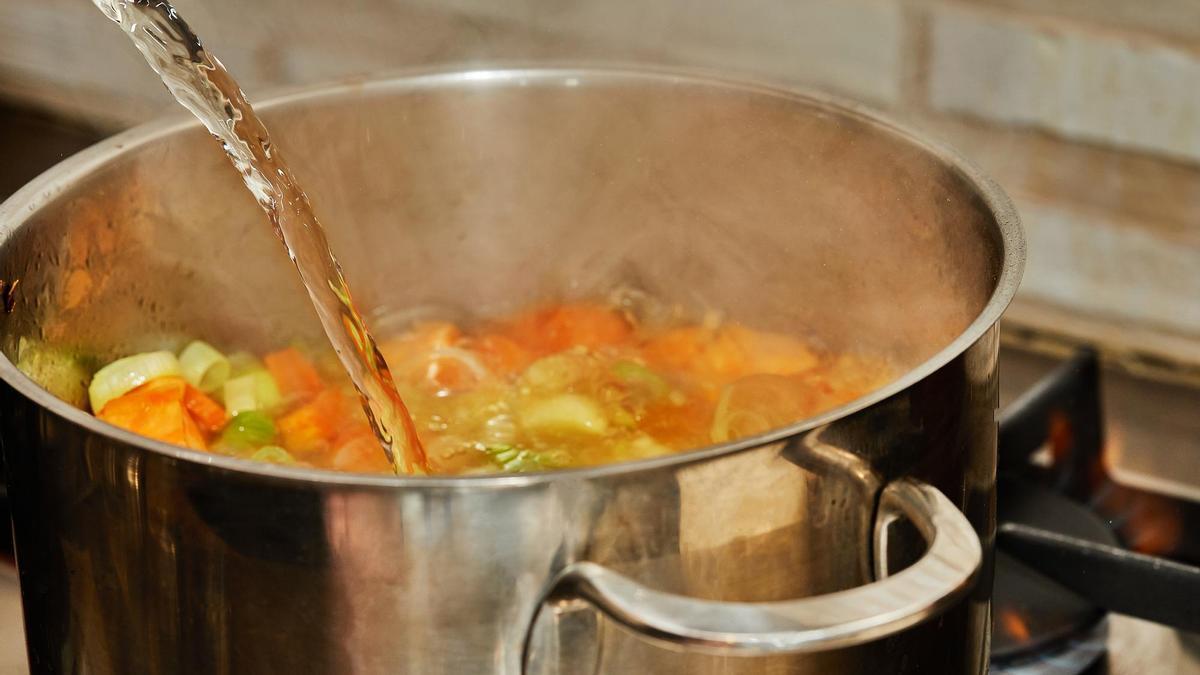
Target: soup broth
(553, 386)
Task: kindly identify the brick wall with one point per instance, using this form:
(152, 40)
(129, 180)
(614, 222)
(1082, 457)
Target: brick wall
(1087, 111)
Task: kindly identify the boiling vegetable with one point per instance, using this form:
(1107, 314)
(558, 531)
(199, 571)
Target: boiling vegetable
(203, 366)
(123, 375)
(552, 387)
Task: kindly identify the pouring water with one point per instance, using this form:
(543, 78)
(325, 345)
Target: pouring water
(201, 84)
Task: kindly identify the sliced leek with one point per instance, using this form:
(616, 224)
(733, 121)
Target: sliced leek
(124, 375)
(203, 366)
(248, 429)
(517, 460)
(255, 390)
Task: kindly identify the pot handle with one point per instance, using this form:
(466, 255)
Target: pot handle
(945, 573)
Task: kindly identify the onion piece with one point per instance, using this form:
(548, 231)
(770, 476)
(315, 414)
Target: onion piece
(730, 423)
(203, 366)
(124, 375)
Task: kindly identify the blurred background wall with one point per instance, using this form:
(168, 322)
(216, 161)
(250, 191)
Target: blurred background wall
(1086, 111)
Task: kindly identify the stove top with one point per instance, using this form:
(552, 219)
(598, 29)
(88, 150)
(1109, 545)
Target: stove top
(1110, 478)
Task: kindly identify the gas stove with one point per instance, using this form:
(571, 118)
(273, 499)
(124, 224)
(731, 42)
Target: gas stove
(1106, 462)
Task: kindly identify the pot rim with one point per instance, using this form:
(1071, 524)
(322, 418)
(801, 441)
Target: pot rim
(47, 186)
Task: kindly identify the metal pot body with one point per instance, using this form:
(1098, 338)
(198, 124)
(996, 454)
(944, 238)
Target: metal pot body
(789, 553)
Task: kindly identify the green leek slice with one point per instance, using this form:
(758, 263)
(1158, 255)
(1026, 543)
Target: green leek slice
(255, 390)
(203, 366)
(248, 429)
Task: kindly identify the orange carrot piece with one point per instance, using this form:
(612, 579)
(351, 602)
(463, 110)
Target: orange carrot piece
(718, 355)
(156, 410)
(502, 355)
(553, 329)
(297, 378)
(209, 414)
(679, 349)
(310, 429)
(362, 453)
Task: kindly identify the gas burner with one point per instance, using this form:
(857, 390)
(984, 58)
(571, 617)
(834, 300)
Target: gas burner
(1060, 565)
(1071, 656)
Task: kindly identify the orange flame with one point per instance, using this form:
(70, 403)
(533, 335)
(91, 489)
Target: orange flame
(1014, 625)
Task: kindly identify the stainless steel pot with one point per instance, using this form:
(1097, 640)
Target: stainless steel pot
(857, 541)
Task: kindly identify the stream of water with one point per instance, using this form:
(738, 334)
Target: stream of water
(202, 85)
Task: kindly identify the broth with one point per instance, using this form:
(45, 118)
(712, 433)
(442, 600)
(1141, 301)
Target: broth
(553, 386)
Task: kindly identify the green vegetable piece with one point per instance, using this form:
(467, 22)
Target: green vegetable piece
(565, 413)
(517, 460)
(273, 454)
(123, 375)
(266, 390)
(255, 390)
(203, 366)
(248, 429)
(636, 375)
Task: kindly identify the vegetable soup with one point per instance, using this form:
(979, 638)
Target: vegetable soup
(554, 386)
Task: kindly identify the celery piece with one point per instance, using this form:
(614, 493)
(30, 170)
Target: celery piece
(203, 366)
(248, 429)
(124, 375)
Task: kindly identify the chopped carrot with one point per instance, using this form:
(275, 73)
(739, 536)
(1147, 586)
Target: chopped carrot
(156, 410)
(208, 413)
(311, 428)
(297, 378)
(502, 355)
(553, 329)
(728, 352)
(695, 349)
(361, 452)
